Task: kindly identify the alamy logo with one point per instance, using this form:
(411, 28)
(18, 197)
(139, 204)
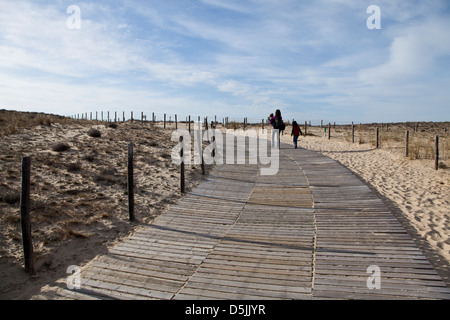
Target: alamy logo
(228, 148)
(74, 21)
(74, 280)
(374, 281)
(374, 21)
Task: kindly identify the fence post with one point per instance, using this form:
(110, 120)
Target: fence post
(25, 220)
(378, 137)
(189, 124)
(130, 182)
(176, 122)
(407, 144)
(306, 129)
(206, 129)
(436, 152)
(182, 165)
(164, 120)
(329, 130)
(353, 133)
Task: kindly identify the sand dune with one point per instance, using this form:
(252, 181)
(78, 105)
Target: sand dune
(79, 199)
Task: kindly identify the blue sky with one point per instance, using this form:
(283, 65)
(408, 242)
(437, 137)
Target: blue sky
(315, 60)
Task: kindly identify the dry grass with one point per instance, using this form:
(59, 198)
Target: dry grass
(80, 194)
(392, 137)
(14, 122)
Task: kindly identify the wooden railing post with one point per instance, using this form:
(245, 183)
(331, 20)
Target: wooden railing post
(407, 144)
(353, 133)
(130, 182)
(182, 183)
(378, 137)
(25, 219)
(436, 152)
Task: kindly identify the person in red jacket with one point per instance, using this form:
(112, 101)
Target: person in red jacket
(296, 131)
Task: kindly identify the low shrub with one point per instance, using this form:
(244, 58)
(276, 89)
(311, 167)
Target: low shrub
(94, 133)
(61, 147)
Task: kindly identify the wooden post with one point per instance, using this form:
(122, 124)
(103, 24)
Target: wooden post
(206, 128)
(142, 117)
(164, 120)
(115, 116)
(407, 144)
(306, 128)
(90, 115)
(378, 137)
(189, 126)
(329, 130)
(123, 115)
(176, 122)
(436, 152)
(102, 116)
(353, 133)
(131, 116)
(262, 124)
(25, 216)
(182, 165)
(213, 139)
(202, 164)
(108, 116)
(130, 182)
(96, 115)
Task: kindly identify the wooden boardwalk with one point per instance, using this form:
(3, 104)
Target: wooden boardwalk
(309, 232)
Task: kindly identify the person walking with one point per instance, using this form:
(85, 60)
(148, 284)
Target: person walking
(296, 132)
(278, 126)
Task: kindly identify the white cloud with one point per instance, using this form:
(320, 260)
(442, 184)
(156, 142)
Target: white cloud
(412, 54)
